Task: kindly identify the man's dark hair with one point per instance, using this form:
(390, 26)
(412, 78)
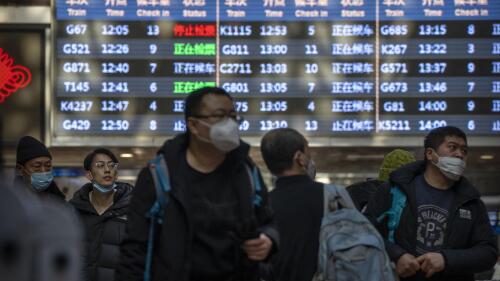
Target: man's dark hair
(192, 104)
(436, 136)
(87, 162)
(278, 148)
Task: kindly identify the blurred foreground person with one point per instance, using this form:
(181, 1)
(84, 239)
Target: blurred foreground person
(435, 225)
(40, 238)
(34, 168)
(101, 205)
(215, 223)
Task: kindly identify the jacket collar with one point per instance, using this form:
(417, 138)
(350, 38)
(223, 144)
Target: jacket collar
(175, 149)
(81, 199)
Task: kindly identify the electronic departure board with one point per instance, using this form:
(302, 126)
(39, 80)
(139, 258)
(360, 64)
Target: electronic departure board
(327, 68)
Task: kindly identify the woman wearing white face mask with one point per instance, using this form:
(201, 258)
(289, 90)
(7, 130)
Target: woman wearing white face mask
(444, 231)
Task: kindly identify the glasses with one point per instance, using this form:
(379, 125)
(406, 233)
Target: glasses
(102, 164)
(222, 116)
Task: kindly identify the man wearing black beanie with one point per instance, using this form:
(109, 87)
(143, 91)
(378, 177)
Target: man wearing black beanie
(34, 168)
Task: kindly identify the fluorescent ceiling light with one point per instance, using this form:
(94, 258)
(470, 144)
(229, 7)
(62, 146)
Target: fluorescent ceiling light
(487, 157)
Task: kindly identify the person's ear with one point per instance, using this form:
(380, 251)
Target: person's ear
(299, 158)
(429, 153)
(191, 125)
(89, 176)
(20, 169)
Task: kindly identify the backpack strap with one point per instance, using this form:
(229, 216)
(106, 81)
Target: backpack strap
(398, 203)
(250, 203)
(253, 175)
(159, 172)
(335, 198)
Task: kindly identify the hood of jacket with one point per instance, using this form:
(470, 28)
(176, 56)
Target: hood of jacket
(81, 199)
(406, 174)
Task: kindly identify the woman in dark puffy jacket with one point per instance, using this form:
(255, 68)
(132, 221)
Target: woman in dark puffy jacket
(102, 206)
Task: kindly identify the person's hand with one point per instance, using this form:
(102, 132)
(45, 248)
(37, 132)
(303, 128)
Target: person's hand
(431, 263)
(407, 266)
(258, 249)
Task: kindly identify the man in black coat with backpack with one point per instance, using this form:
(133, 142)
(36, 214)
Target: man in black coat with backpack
(443, 232)
(297, 201)
(216, 224)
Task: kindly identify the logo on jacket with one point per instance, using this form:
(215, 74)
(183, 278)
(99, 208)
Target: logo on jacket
(465, 214)
(431, 227)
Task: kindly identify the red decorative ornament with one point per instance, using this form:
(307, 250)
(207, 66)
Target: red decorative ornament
(12, 77)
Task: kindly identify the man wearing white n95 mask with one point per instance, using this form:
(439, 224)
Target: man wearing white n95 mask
(207, 232)
(444, 231)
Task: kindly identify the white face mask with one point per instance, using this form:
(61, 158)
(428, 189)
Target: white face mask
(224, 135)
(451, 167)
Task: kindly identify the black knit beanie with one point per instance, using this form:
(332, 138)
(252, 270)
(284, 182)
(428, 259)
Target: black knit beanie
(29, 148)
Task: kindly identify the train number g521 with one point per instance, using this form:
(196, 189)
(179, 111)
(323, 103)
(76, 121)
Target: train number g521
(76, 49)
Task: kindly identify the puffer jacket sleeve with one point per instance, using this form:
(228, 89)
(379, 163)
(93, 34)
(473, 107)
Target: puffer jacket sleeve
(133, 247)
(483, 253)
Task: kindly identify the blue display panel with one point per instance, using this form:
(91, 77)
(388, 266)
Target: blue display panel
(323, 67)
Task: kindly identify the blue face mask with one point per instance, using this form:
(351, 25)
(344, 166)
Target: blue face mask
(102, 188)
(41, 181)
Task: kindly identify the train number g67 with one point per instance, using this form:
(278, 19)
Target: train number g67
(76, 29)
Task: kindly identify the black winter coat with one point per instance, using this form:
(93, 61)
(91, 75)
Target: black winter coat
(171, 257)
(297, 202)
(103, 233)
(470, 245)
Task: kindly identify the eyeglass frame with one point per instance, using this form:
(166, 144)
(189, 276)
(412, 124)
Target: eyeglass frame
(114, 165)
(222, 116)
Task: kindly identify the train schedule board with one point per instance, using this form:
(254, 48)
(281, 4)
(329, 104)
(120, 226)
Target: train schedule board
(328, 68)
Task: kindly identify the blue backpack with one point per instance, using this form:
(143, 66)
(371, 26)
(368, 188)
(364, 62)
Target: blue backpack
(398, 203)
(350, 248)
(159, 172)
